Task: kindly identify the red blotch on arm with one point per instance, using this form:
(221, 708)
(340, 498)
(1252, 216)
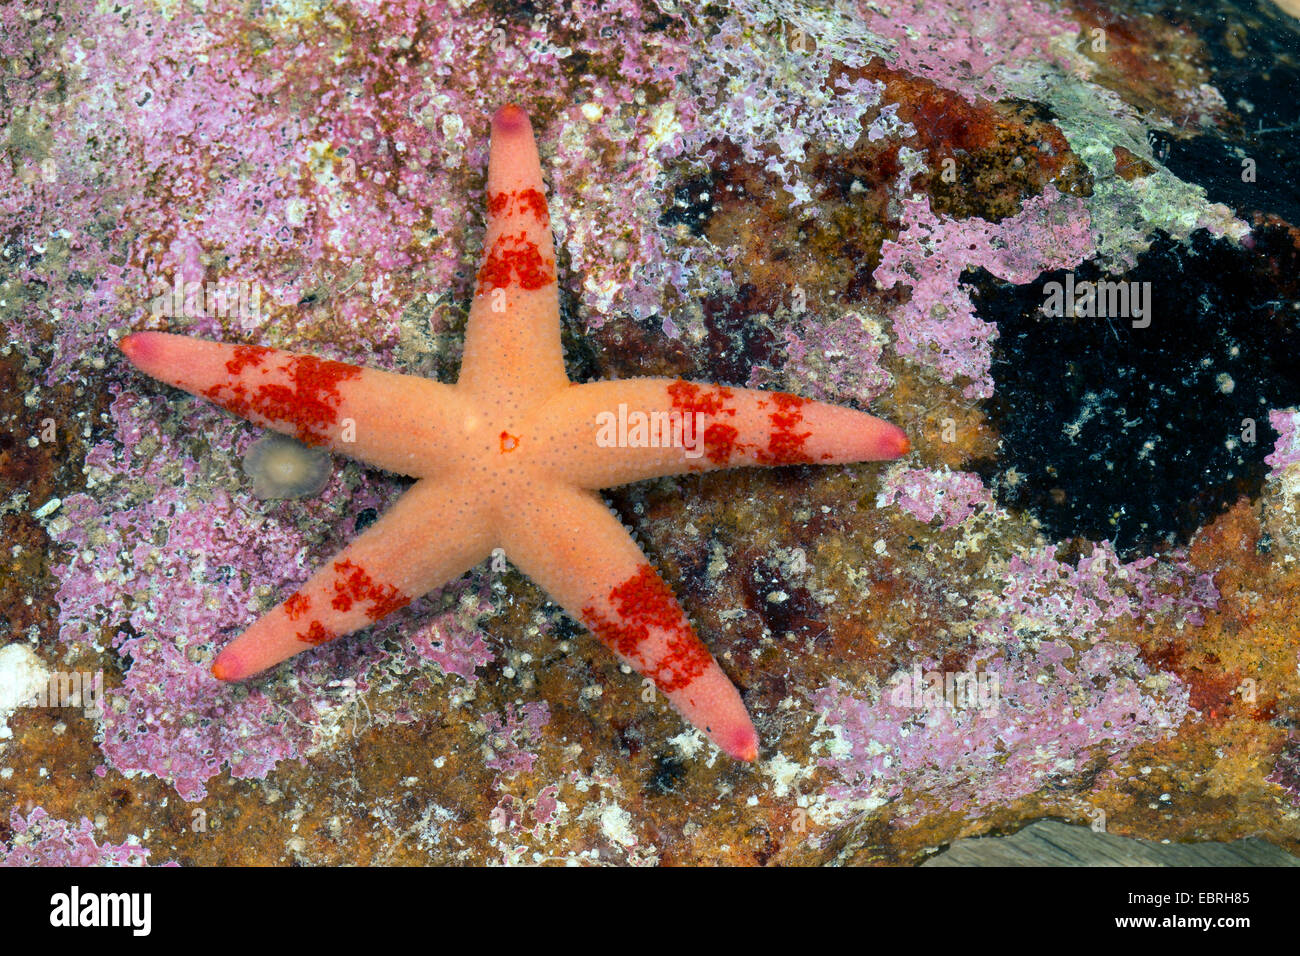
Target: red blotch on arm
(297, 605)
(247, 356)
(533, 202)
(310, 401)
(316, 634)
(514, 256)
(518, 203)
(642, 604)
(354, 585)
(687, 397)
(721, 441)
(785, 444)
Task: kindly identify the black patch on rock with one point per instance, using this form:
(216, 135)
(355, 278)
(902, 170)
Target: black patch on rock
(521, 11)
(692, 205)
(365, 518)
(1255, 64)
(1219, 166)
(1136, 434)
(581, 363)
(668, 774)
(739, 335)
(795, 613)
(563, 627)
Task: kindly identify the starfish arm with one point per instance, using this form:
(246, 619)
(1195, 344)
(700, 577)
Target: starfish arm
(434, 533)
(569, 542)
(512, 340)
(609, 433)
(397, 422)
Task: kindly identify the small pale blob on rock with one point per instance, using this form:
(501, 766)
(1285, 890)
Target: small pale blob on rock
(283, 467)
(22, 675)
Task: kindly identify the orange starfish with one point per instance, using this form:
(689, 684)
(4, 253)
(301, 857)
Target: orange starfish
(512, 456)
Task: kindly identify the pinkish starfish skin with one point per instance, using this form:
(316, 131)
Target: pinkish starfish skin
(511, 457)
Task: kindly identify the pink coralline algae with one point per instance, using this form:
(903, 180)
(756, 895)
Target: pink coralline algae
(1286, 770)
(834, 359)
(448, 643)
(1286, 422)
(508, 815)
(973, 47)
(41, 840)
(938, 326)
(1057, 716)
(518, 819)
(1037, 593)
(1044, 594)
(1067, 698)
(162, 571)
(168, 100)
(546, 805)
(511, 733)
(926, 494)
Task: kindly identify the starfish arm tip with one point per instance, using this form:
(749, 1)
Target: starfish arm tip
(904, 444)
(136, 346)
(510, 118)
(742, 744)
(225, 668)
(749, 753)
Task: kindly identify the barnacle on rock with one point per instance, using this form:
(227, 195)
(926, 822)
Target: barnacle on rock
(283, 467)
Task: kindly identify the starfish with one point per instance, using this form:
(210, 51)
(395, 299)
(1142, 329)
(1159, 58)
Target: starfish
(512, 456)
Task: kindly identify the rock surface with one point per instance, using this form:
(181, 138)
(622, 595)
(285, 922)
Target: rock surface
(1048, 843)
(840, 200)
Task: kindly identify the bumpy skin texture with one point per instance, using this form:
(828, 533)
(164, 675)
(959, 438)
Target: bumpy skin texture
(511, 456)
